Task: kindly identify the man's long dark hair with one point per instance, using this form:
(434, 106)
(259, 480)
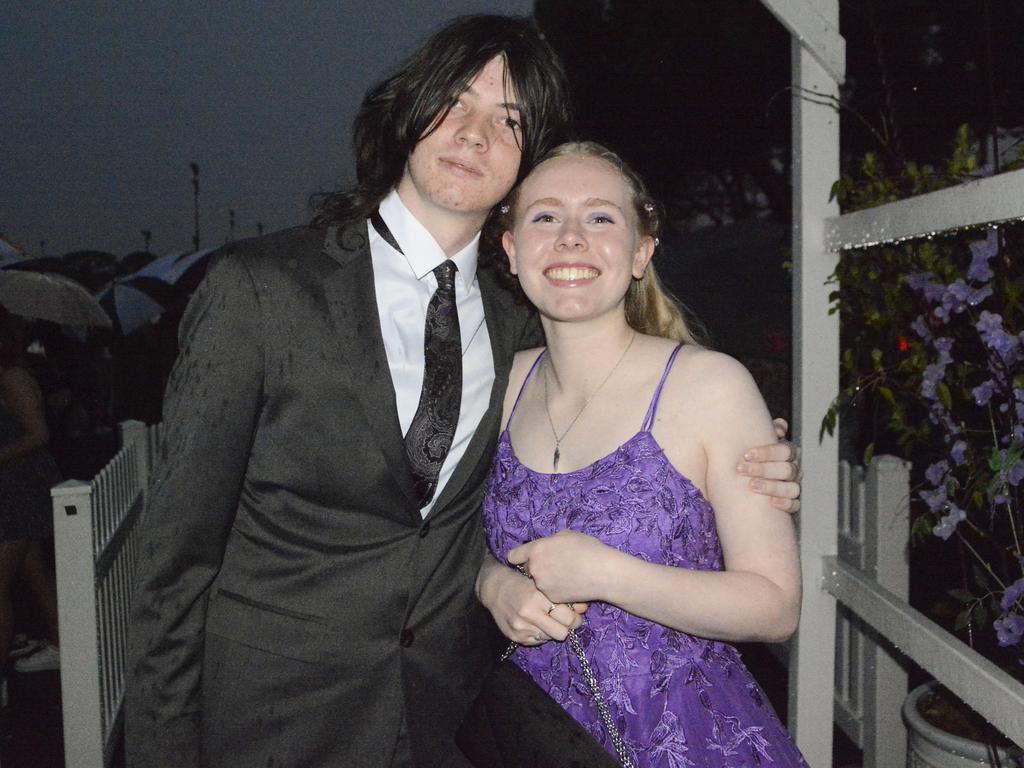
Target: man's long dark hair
(399, 112)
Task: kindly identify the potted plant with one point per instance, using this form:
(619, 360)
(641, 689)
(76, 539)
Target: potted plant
(933, 369)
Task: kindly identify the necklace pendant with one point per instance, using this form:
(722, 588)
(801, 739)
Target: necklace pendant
(554, 460)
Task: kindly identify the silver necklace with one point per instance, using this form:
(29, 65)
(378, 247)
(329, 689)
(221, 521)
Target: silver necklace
(559, 438)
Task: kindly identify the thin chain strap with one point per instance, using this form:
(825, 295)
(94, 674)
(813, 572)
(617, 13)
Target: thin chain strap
(602, 705)
(595, 689)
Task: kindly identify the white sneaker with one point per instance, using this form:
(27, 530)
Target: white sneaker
(46, 658)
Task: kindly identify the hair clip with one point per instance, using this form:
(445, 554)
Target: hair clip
(649, 207)
(504, 208)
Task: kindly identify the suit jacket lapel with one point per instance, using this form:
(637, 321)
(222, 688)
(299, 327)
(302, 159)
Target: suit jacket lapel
(495, 301)
(349, 290)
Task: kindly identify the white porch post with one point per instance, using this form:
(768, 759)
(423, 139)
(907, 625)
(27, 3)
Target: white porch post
(73, 513)
(815, 384)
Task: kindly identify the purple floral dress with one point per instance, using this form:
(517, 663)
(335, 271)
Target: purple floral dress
(679, 700)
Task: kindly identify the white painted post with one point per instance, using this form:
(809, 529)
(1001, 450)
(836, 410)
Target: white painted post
(848, 694)
(136, 433)
(887, 497)
(815, 384)
(76, 609)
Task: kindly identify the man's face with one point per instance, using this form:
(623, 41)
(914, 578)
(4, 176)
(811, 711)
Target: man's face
(470, 161)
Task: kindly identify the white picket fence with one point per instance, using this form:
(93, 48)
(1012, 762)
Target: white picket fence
(94, 541)
(870, 681)
(874, 533)
(95, 551)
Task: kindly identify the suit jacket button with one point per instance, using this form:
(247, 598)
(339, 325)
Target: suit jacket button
(406, 638)
(424, 529)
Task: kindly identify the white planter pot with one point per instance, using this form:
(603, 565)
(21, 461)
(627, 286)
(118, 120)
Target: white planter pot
(931, 747)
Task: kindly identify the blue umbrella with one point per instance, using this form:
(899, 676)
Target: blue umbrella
(143, 296)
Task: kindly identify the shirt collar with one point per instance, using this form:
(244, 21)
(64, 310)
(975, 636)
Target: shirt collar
(419, 246)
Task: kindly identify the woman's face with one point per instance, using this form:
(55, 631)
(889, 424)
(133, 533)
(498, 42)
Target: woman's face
(575, 244)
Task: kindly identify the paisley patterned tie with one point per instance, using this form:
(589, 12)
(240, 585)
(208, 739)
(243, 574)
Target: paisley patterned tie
(433, 427)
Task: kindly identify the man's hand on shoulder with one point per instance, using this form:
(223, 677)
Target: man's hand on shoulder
(774, 470)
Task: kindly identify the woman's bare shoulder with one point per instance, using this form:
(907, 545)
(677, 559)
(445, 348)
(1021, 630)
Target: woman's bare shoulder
(522, 362)
(706, 368)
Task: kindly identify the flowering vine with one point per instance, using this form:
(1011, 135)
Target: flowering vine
(933, 365)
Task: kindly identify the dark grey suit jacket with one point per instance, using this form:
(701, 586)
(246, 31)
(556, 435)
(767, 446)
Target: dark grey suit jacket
(291, 605)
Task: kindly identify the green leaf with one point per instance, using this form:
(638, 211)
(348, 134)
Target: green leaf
(963, 619)
(944, 395)
(921, 530)
(979, 576)
(869, 453)
(828, 424)
(981, 615)
(961, 595)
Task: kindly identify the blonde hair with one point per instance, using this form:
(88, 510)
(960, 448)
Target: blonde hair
(650, 308)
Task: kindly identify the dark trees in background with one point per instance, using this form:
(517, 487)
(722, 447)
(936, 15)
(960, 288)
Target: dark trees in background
(684, 91)
(695, 93)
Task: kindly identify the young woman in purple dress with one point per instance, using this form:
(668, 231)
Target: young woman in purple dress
(615, 488)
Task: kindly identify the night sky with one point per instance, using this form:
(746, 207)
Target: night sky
(105, 104)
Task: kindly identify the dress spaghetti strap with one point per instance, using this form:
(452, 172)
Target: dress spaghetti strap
(652, 409)
(529, 375)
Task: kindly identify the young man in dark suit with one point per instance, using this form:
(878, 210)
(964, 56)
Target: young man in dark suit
(304, 591)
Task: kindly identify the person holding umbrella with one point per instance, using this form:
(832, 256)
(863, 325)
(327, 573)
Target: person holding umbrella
(27, 471)
(27, 468)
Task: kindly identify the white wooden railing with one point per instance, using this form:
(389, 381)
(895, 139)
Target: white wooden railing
(993, 693)
(831, 583)
(94, 541)
(870, 682)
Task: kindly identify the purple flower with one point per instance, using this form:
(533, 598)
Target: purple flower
(958, 295)
(982, 252)
(933, 292)
(918, 281)
(954, 298)
(920, 327)
(936, 472)
(1015, 473)
(923, 283)
(978, 295)
(957, 452)
(947, 525)
(995, 337)
(983, 392)
(1009, 629)
(1013, 593)
(935, 499)
(988, 322)
(932, 375)
(944, 346)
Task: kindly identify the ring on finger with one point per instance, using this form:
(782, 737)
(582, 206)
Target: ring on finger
(539, 638)
(553, 606)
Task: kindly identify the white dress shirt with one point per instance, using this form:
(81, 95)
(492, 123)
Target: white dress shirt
(404, 283)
